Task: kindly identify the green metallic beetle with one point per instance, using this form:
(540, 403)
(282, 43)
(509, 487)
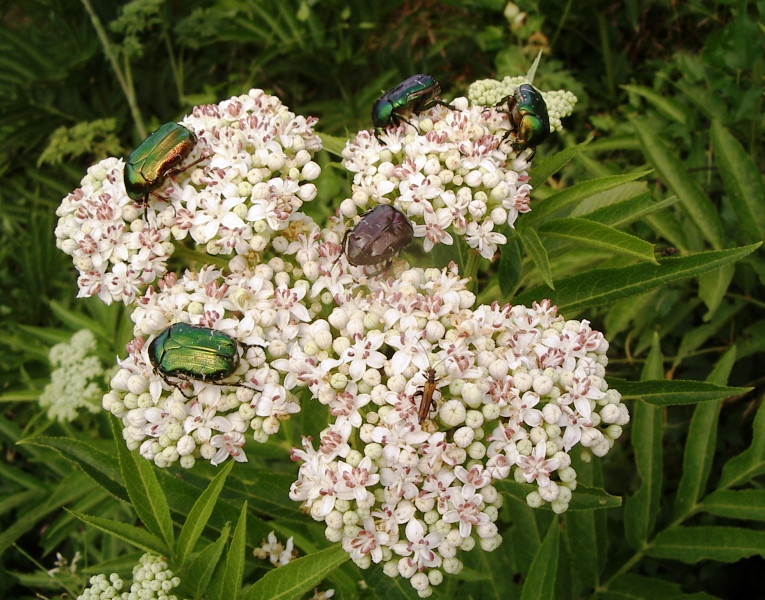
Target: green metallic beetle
(414, 95)
(195, 353)
(155, 159)
(529, 121)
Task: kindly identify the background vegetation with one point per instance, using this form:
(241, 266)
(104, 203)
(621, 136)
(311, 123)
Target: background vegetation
(665, 144)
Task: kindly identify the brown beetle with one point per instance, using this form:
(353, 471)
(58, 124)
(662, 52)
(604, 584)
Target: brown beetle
(382, 233)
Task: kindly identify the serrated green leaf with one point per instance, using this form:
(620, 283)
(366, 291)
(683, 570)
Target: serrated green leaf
(743, 182)
(591, 233)
(536, 250)
(639, 587)
(99, 466)
(540, 581)
(197, 576)
(332, 144)
(674, 174)
(146, 495)
(736, 504)
(647, 429)
(232, 575)
(603, 286)
(550, 165)
(200, 513)
(297, 577)
(692, 544)
(137, 536)
(700, 443)
(664, 104)
(583, 497)
(573, 195)
(751, 462)
(667, 392)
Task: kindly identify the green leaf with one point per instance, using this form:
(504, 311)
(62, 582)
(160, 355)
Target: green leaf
(695, 338)
(742, 180)
(536, 250)
(583, 498)
(639, 587)
(590, 233)
(751, 462)
(664, 104)
(700, 443)
(232, 578)
(200, 513)
(713, 286)
(298, 576)
(573, 195)
(137, 536)
(550, 165)
(509, 267)
(674, 174)
(692, 544)
(647, 428)
(736, 504)
(332, 144)
(382, 586)
(540, 581)
(198, 574)
(628, 211)
(145, 493)
(604, 286)
(99, 466)
(665, 392)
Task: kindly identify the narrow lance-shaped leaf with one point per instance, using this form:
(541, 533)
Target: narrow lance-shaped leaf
(552, 164)
(540, 581)
(536, 250)
(137, 536)
(700, 445)
(675, 175)
(200, 513)
(743, 182)
(199, 572)
(692, 544)
(603, 286)
(641, 508)
(573, 195)
(145, 493)
(297, 577)
(232, 578)
(751, 462)
(736, 504)
(663, 392)
(590, 233)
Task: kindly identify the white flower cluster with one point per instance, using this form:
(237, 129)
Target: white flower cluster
(450, 173)
(514, 389)
(152, 580)
(77, 379)
(279, 554)
(171, 419)
(254, 168)
(488, 92)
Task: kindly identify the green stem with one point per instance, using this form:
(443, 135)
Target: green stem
(605, 47)
(562, 21)
(471, 266)
(127, 87)
(177, 76)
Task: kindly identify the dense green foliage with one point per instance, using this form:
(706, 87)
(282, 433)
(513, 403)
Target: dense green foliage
(659, 170)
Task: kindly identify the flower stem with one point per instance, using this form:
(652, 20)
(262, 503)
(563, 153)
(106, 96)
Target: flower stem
(127, 87)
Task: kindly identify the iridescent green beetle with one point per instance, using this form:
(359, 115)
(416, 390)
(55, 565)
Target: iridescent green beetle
(192, 352)
(155, 159)
(414, 95)
(529, 121)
